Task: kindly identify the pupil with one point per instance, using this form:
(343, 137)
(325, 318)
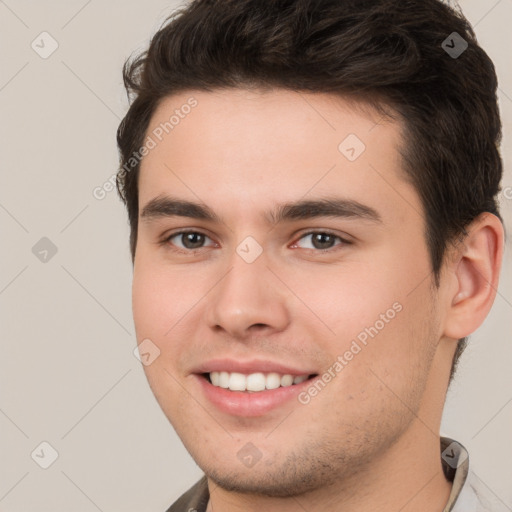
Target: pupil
(189, 238)
(322, 237)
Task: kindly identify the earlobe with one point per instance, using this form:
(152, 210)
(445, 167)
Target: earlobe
(476, 272)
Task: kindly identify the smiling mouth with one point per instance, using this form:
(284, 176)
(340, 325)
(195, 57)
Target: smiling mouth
(254, 382)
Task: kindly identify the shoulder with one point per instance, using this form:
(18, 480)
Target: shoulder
(194, 500)
(477, 496)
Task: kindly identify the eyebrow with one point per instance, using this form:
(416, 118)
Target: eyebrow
(166, 206)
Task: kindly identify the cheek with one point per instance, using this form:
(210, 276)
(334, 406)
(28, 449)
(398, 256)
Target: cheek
(350, 301)
(396, 352)
(159, 299)
(146, 303)
(379, 314)
(166, 303)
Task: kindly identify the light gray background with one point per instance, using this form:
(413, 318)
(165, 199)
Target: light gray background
(68, 373)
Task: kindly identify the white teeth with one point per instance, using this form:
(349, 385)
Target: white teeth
(223, 380)
(237, 382)
(273, 381)
(256, 382)
(286, 380)
(215, 378)
(253, 382)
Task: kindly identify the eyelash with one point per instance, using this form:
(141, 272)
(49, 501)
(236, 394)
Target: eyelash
(166, 241)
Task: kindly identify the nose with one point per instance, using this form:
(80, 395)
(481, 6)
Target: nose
(249, 300)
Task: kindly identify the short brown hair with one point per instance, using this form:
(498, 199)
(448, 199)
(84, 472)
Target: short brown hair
(393, 54)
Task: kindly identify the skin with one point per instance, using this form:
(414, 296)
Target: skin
(370, 439)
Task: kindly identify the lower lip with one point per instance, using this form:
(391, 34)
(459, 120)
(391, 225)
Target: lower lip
(243, 403)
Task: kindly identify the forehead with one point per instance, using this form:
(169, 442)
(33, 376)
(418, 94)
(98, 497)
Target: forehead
(294, 123)
(267, 146)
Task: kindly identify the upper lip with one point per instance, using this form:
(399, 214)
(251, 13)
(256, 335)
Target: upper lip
(248, 367)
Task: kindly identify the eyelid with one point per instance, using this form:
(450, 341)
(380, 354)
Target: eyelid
(345, 241)
(167, 237)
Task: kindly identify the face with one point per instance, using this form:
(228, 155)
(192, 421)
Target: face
(299, 295)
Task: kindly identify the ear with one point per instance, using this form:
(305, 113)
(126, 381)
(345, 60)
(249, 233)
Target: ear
(475, 275)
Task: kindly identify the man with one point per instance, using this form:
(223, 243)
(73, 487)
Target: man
(311, 187)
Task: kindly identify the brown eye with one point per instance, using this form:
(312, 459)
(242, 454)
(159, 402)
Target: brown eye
(189, 240)
(323, 240)
(192, 240)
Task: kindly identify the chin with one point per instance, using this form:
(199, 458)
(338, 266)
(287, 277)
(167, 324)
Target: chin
(292, 477)
(268, 485)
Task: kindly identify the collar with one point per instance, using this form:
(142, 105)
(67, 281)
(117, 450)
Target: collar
(455, 461)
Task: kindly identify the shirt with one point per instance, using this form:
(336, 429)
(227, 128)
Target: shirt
(468, 494)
